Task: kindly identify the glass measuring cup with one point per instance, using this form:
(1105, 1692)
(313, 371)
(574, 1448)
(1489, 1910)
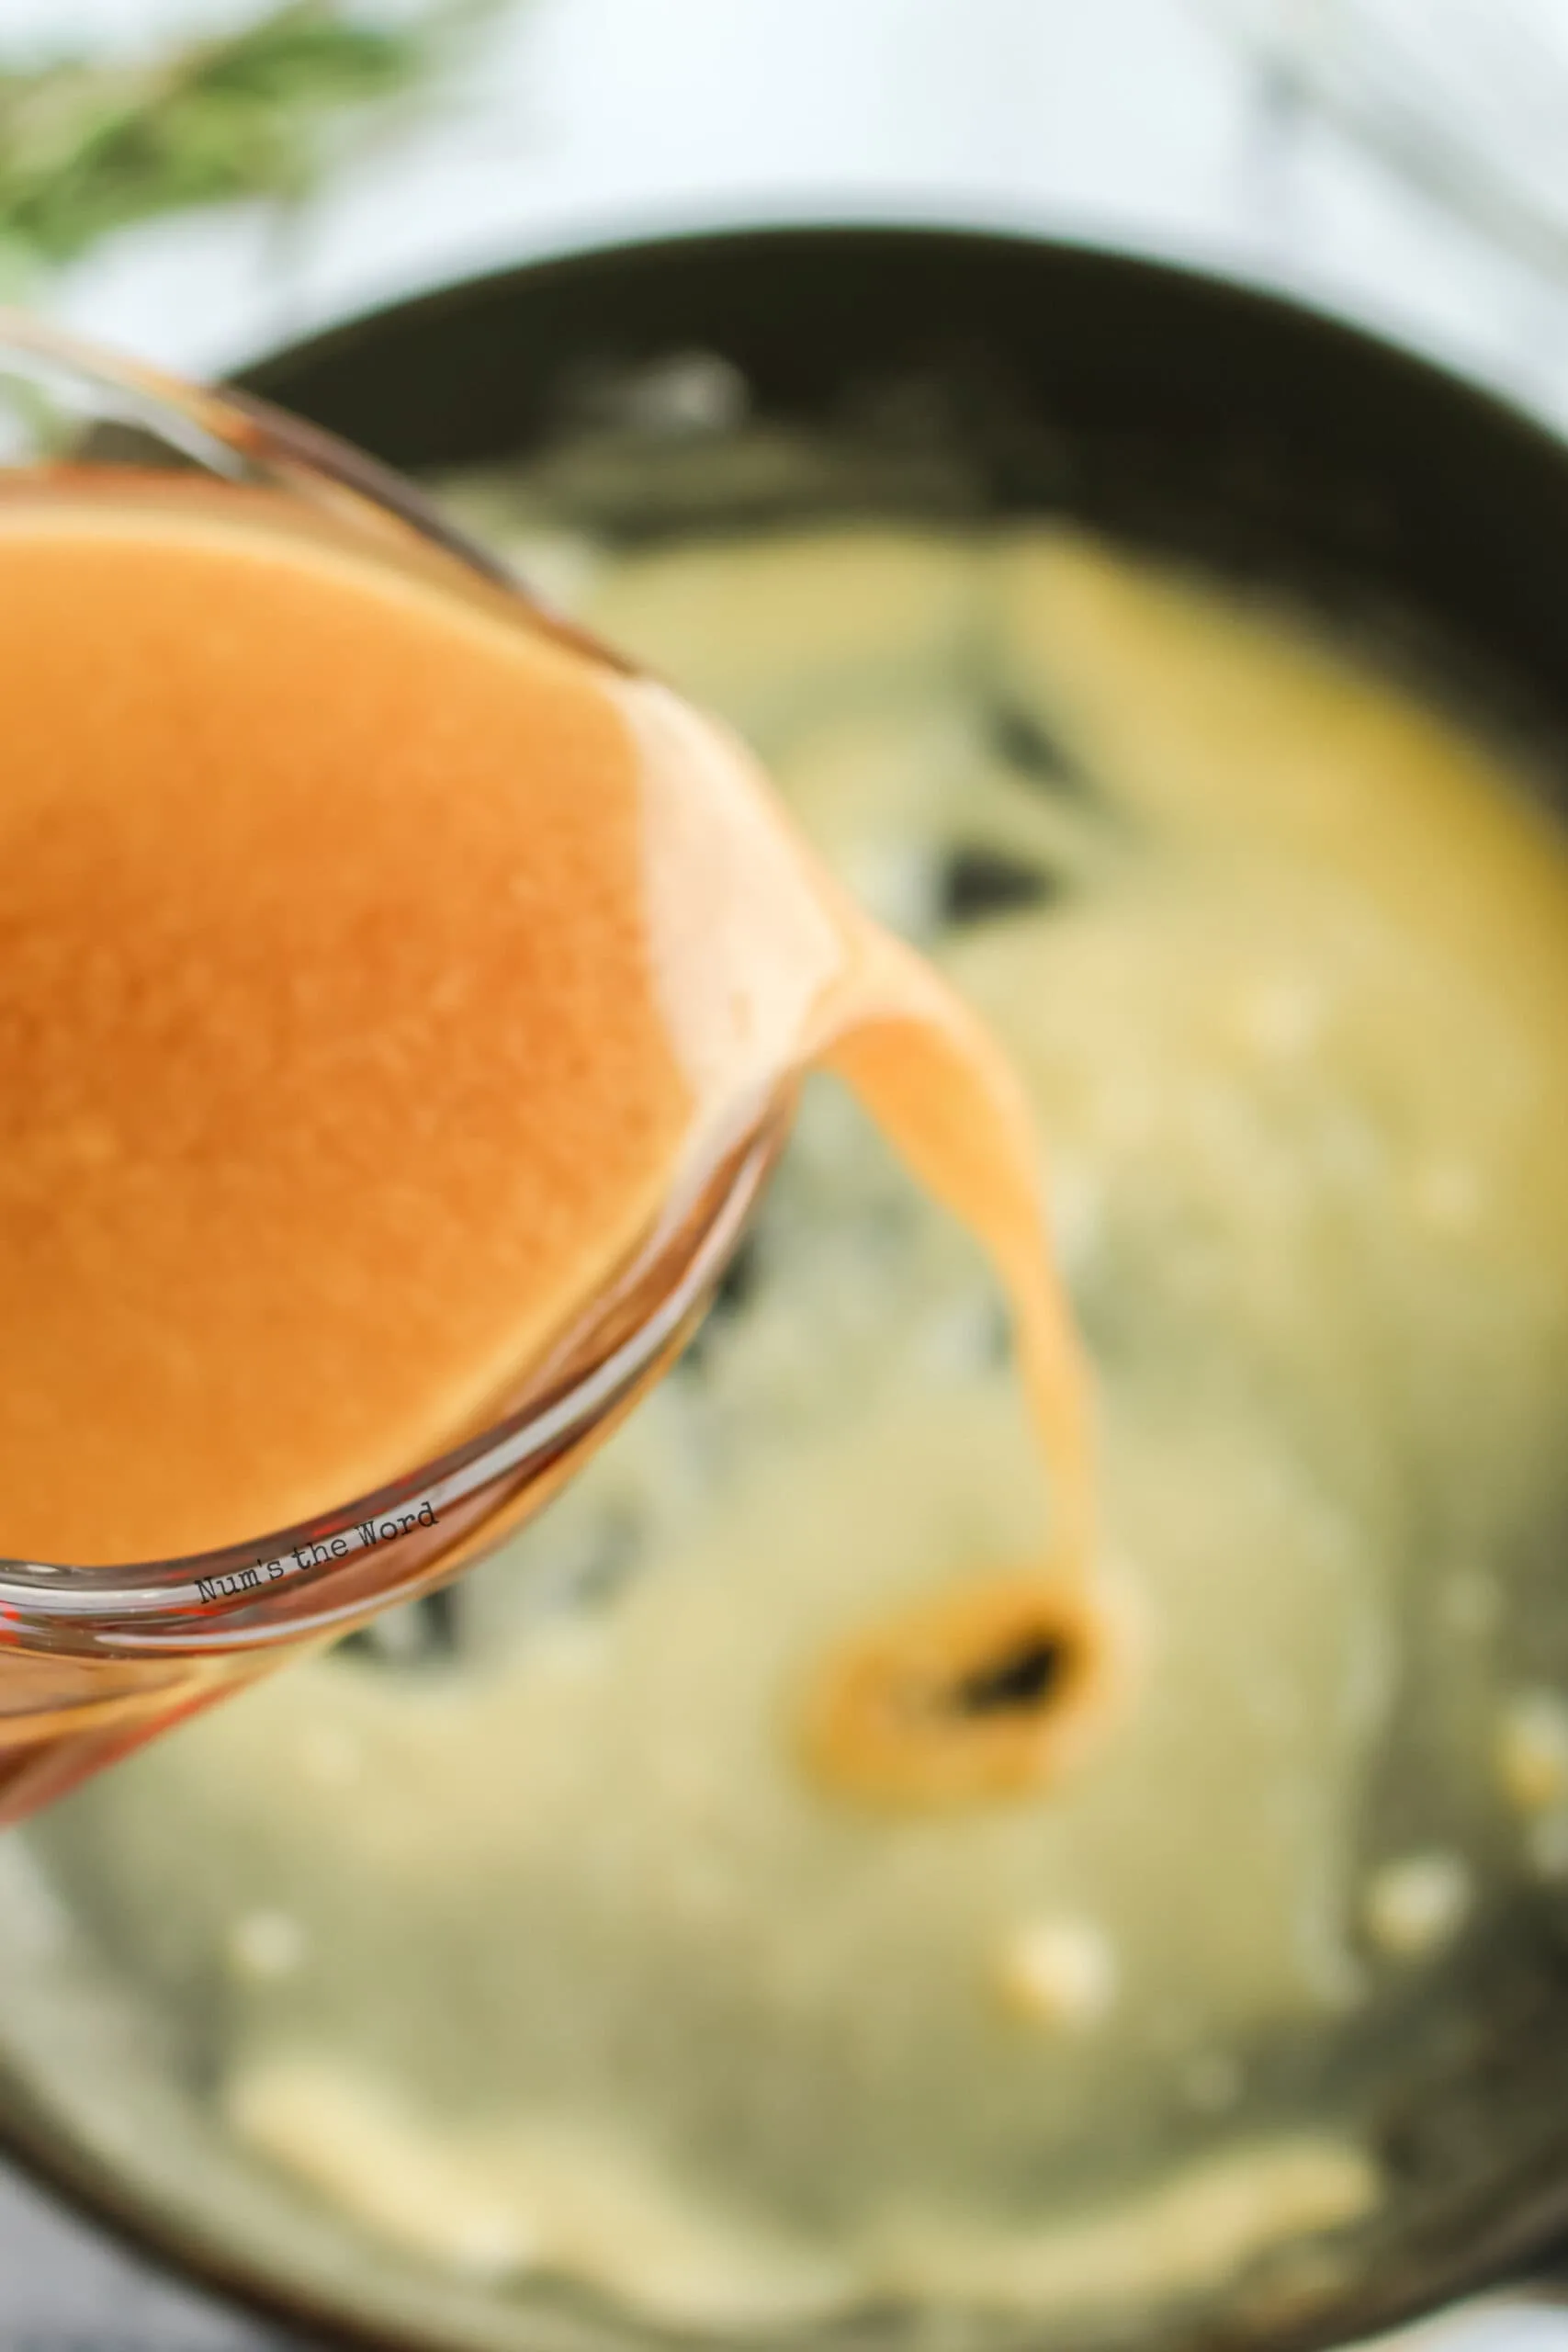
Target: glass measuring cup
(95, 1660)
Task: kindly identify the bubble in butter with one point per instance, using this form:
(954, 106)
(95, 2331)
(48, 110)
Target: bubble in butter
(682, 1911)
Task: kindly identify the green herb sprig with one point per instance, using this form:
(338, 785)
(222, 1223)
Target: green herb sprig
(87, 146)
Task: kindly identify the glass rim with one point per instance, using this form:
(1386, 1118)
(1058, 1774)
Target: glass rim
(207, 1601)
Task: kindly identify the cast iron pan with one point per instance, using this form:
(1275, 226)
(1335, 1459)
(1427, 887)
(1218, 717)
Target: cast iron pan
(1004, 373)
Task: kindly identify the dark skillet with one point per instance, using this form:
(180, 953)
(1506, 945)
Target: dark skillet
(994, 373)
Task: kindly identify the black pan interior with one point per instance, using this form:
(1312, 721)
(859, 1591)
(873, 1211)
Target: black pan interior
(1148, 398)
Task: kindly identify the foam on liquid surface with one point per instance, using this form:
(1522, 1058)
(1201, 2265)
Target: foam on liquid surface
(376, 972)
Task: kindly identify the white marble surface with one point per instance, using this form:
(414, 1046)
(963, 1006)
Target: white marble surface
(1135, 120)
(1131, 121)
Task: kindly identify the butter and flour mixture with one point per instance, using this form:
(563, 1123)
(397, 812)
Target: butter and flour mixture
(563, 1926)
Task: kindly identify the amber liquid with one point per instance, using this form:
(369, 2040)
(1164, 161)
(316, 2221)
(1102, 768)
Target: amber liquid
(377, 970)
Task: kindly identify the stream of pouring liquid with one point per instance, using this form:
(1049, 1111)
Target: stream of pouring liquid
(374, 969)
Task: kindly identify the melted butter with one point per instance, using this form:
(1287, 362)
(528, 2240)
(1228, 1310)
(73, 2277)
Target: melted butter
(594, 1968)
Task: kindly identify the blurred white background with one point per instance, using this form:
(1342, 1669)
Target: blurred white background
(1180, 127)
(1168, 124)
